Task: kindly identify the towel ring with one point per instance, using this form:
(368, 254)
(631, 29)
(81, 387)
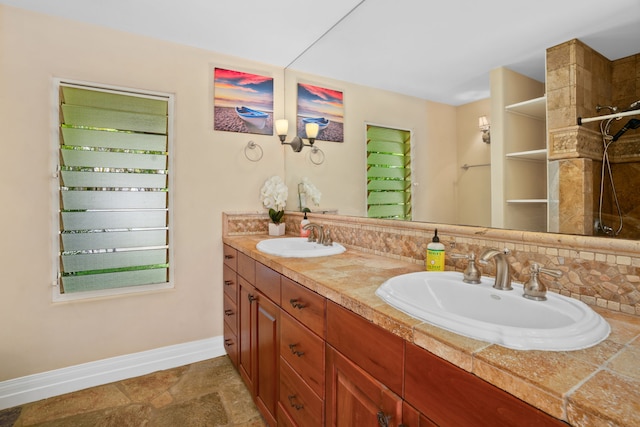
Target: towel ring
(316, 156)
(254, 148)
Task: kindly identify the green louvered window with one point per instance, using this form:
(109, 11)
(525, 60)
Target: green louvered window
(388, 173)
(113, 190)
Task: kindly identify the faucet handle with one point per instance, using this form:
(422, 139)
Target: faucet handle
(534, 289)
(471, 273)
(326, 238)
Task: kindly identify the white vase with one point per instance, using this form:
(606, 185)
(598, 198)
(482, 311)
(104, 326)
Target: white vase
(276, 229)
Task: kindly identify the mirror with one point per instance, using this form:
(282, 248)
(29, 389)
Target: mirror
(445, 139)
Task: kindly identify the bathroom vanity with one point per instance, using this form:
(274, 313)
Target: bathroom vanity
(316, 347)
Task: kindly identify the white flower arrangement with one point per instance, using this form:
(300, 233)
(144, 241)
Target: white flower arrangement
(309, 191)
(274, 195)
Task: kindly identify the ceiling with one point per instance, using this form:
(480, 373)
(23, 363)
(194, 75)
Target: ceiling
(442, 51)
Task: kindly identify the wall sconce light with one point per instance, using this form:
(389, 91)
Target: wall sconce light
(282, 128)
(485, 127)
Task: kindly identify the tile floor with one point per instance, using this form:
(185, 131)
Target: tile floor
(208, 393)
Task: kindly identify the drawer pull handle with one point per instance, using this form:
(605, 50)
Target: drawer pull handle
(228, 257)
(228, 312)
(295, 304)
(296, 406)
(228, 282)
(251, 298)
(228, 343)
(298, 353)
(383, 420)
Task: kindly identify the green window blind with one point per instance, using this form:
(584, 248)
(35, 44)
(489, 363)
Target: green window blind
(388, 173)
(114, 188)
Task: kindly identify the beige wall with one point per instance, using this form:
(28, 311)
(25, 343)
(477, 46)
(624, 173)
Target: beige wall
(474, 184)
(210, 173)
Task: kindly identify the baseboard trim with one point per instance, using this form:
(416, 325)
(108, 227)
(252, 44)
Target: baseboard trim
(31, 388)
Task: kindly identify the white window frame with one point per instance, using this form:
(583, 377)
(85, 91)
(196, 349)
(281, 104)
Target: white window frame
(57, 296)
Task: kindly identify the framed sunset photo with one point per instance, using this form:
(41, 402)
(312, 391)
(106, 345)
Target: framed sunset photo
(242, 102)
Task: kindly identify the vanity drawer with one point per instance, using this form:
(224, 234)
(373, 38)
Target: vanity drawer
(304, 351)
(268, 282)
(451, 396)
(377, 351)
(231, 344)
(305, 305)
(231, 314)
(246, 268)
(230, 257)
(229, 282)
(297, 399)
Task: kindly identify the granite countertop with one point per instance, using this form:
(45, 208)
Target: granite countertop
(591, 387)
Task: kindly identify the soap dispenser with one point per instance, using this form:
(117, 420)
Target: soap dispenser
(305, 221)
(435, 254)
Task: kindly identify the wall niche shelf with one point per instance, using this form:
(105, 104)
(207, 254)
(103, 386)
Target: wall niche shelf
(537, 155)
(535, 108)
(527, 201)
(525, 148)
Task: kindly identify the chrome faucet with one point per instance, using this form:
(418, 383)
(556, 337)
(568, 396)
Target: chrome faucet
(319, 231)
(503, 269)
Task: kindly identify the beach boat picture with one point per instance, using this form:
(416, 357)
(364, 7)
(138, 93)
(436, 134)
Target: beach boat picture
(321, 106)
(321, 121)
(253, 117)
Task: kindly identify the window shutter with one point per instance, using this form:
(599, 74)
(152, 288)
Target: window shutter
(114, 209)
(388, 173)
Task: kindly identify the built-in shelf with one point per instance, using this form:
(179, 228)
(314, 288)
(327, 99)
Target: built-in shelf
(535, 201)
(535, 108)
(540, 154)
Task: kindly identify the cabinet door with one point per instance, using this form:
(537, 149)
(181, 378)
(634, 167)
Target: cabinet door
(267, 332)
(246, 336)
(355, 398)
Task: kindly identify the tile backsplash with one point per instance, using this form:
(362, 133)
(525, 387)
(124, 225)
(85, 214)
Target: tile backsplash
(599, 271)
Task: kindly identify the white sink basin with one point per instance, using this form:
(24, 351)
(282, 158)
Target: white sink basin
(297, 247)
(500, 317)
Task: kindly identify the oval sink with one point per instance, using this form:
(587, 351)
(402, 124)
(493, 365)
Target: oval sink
(297, 247)
(499, 317)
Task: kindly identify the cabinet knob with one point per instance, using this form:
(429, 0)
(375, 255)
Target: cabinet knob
(298, 353)
(228, 312)
(292, 402)
(228, 257)
(228, 343)
(251, 298)
(295, 304)
(228, 282)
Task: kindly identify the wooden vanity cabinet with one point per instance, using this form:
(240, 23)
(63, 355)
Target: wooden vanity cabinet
(310, 362)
